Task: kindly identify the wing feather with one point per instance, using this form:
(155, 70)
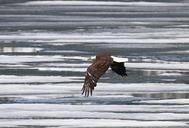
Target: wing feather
(119, 68)
(93, 74)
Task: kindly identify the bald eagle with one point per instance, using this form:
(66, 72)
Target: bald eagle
(100, 65)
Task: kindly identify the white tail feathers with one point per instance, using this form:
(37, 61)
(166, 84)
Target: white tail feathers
(119, 59)
(116, 59)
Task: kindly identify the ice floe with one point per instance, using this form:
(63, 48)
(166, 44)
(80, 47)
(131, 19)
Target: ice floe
(58, 2)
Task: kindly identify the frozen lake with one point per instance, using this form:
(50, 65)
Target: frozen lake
(44, 47)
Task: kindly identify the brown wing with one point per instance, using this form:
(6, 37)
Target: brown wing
(119, 68)
(93, 74)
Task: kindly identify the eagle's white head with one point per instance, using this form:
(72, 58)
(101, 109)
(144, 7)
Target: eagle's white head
(92, 58)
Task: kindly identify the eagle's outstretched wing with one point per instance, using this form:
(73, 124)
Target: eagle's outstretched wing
(119, 68)
(93, 74)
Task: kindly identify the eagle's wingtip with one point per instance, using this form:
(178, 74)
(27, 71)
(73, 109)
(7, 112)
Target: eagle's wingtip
(86, 91)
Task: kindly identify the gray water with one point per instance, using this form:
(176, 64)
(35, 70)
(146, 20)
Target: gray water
(44, 47)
